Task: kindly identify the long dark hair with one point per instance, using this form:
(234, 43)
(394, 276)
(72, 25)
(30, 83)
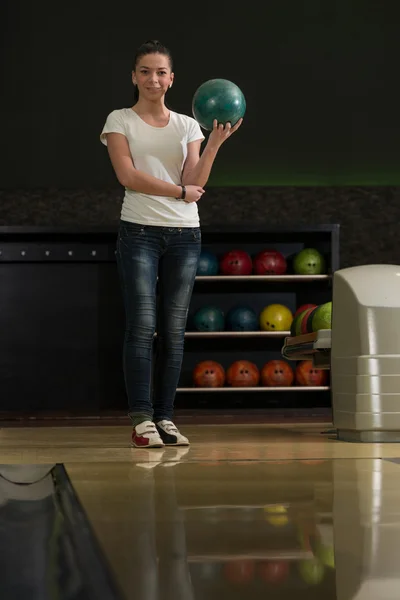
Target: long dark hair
(149, 47)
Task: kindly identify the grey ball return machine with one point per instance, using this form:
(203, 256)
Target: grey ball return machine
(362, 351)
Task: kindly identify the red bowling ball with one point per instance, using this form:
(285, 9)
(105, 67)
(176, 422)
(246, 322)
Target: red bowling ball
(270, 262)
(304, 307)
(236, 262)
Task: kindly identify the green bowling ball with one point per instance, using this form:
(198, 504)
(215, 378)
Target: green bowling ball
(309, 261)
(218, 99)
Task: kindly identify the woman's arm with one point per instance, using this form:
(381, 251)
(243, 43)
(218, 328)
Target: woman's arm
(132, 178)
(196, 170)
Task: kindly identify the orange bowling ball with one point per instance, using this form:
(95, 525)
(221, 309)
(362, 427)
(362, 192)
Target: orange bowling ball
(308, 375)
(208, 374)
(243, 373)
(277, 373)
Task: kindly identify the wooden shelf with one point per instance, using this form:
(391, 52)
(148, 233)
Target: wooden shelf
(292, 388)
(292, 555)
(235, 334)
(266, 278)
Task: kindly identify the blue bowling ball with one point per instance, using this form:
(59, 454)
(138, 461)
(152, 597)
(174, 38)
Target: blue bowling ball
(208, 263)
(242, 318)
(209, 318)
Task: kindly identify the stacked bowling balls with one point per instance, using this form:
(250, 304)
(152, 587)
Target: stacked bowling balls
(269, 261)
(311, 319)
(274, 317)
(266, 262)
(218, 99)
(244, 373)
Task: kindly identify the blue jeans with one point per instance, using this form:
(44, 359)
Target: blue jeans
(144, 253)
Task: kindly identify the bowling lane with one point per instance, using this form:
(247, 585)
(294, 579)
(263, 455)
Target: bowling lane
(216, 529)
(21, 445)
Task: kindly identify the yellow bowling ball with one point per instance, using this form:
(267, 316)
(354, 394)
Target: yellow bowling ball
(276, 317)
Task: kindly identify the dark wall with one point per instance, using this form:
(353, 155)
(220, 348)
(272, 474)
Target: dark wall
(320, 79)
(368, 216)
(323, 96)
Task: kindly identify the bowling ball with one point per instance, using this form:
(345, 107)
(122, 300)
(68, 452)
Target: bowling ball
(309, 261)
(307, 375)
(241, 318)
(304, 307)
(306, 320)
(243, 373)
(306, 323)
(276, 317)
(326, 554)
(277, 373)
(208, 374)
(274, 571)
(209, 318)
(236, 262)
(218, 99)
(207, 264)
(295, 328)
(239, 571)
(269, 262)
(322, 318)
(311, 571)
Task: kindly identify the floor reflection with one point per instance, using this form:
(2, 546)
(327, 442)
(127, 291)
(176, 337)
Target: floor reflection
(215, 530)
(198, 530)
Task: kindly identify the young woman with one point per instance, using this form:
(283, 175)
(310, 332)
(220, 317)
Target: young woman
(155, 153)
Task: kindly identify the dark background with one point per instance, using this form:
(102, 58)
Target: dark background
(320, 140)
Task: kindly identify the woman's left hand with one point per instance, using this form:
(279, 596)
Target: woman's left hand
(220, 133)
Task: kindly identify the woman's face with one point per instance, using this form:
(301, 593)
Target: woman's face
(153, 76)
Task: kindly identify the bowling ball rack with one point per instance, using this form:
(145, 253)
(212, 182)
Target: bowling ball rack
(62, 322)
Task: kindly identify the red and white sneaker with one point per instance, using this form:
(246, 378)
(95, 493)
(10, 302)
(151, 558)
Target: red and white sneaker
(145, 435)
(170, 434)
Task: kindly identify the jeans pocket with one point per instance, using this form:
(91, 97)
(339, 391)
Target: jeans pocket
(129, 232)
(196, 234)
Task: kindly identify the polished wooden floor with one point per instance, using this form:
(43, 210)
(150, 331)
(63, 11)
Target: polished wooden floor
(247, 511)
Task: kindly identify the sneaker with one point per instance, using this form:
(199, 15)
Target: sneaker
(145, 435)
(170, 434)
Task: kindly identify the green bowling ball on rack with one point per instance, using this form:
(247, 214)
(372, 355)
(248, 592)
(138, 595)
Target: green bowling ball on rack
(209, 318)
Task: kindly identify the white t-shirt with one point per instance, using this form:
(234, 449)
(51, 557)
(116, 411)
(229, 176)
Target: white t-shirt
(161, 152)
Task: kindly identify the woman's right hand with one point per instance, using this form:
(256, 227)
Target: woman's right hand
(193, 193)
